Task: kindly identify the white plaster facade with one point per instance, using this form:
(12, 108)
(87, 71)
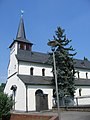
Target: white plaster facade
(20, 96)
(24, 68)
(84, 98)
(20, 101)
(13, 63)
(82, 73)
(31, 96)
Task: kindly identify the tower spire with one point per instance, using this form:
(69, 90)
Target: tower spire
(21, 29)
(21, 36)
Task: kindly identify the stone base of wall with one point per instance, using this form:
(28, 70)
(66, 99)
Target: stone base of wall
(32, 117)
(85, 108)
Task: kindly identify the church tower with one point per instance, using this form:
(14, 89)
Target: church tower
(20, 43)
(28, 74)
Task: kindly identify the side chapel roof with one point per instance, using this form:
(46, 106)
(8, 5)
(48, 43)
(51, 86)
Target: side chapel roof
(34, 80)
(46, 80)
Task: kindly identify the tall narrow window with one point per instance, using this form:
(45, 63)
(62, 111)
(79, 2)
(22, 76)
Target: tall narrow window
(31, 71)
(80, 91)
(43, 72)
(86, 75)
(78, 74)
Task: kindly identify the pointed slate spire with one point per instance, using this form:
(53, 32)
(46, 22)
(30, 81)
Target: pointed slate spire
(21, 37)
(21, 30)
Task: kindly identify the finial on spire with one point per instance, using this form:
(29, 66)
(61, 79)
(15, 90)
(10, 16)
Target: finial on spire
(21, 29)
(22, 12)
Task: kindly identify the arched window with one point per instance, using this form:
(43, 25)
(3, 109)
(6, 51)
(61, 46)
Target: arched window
(80, 91)
(39, 92)
(43, 72)
(31, 71)
(78, 74)
(86, 75)
(14, 88)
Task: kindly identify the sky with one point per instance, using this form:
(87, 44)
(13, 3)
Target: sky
(41, 19)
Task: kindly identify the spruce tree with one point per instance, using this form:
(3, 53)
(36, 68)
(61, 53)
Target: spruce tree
(6, 104)
(64, 66)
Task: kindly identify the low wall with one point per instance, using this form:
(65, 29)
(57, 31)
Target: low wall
(85, 108)
(32, 117)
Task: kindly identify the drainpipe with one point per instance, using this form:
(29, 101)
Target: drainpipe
(26, 99)
(77, 101)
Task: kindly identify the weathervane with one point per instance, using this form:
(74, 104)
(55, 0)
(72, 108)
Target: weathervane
(22, 12)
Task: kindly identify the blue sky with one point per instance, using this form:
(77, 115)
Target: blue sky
(41, 18)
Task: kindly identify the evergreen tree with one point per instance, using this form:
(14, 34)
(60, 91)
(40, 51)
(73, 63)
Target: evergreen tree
(2, 86)
(64, 66)
(85, 59)
(6, 104)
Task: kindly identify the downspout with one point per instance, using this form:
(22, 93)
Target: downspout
(26, 98)
(18, 67)
(14, 92)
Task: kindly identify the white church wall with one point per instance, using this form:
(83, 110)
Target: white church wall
(88, 74)
(20, 100)
(82, 73)
(31, 96)
(14, 48)
(84, 99)
(13, 63)
(24, 68)
(76, 75)
(21, 97)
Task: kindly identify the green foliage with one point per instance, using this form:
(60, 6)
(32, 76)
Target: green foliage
(64, 64)
(5, 104)
(2, 86)
(86, 59)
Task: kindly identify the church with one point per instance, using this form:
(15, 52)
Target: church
(29, 76)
